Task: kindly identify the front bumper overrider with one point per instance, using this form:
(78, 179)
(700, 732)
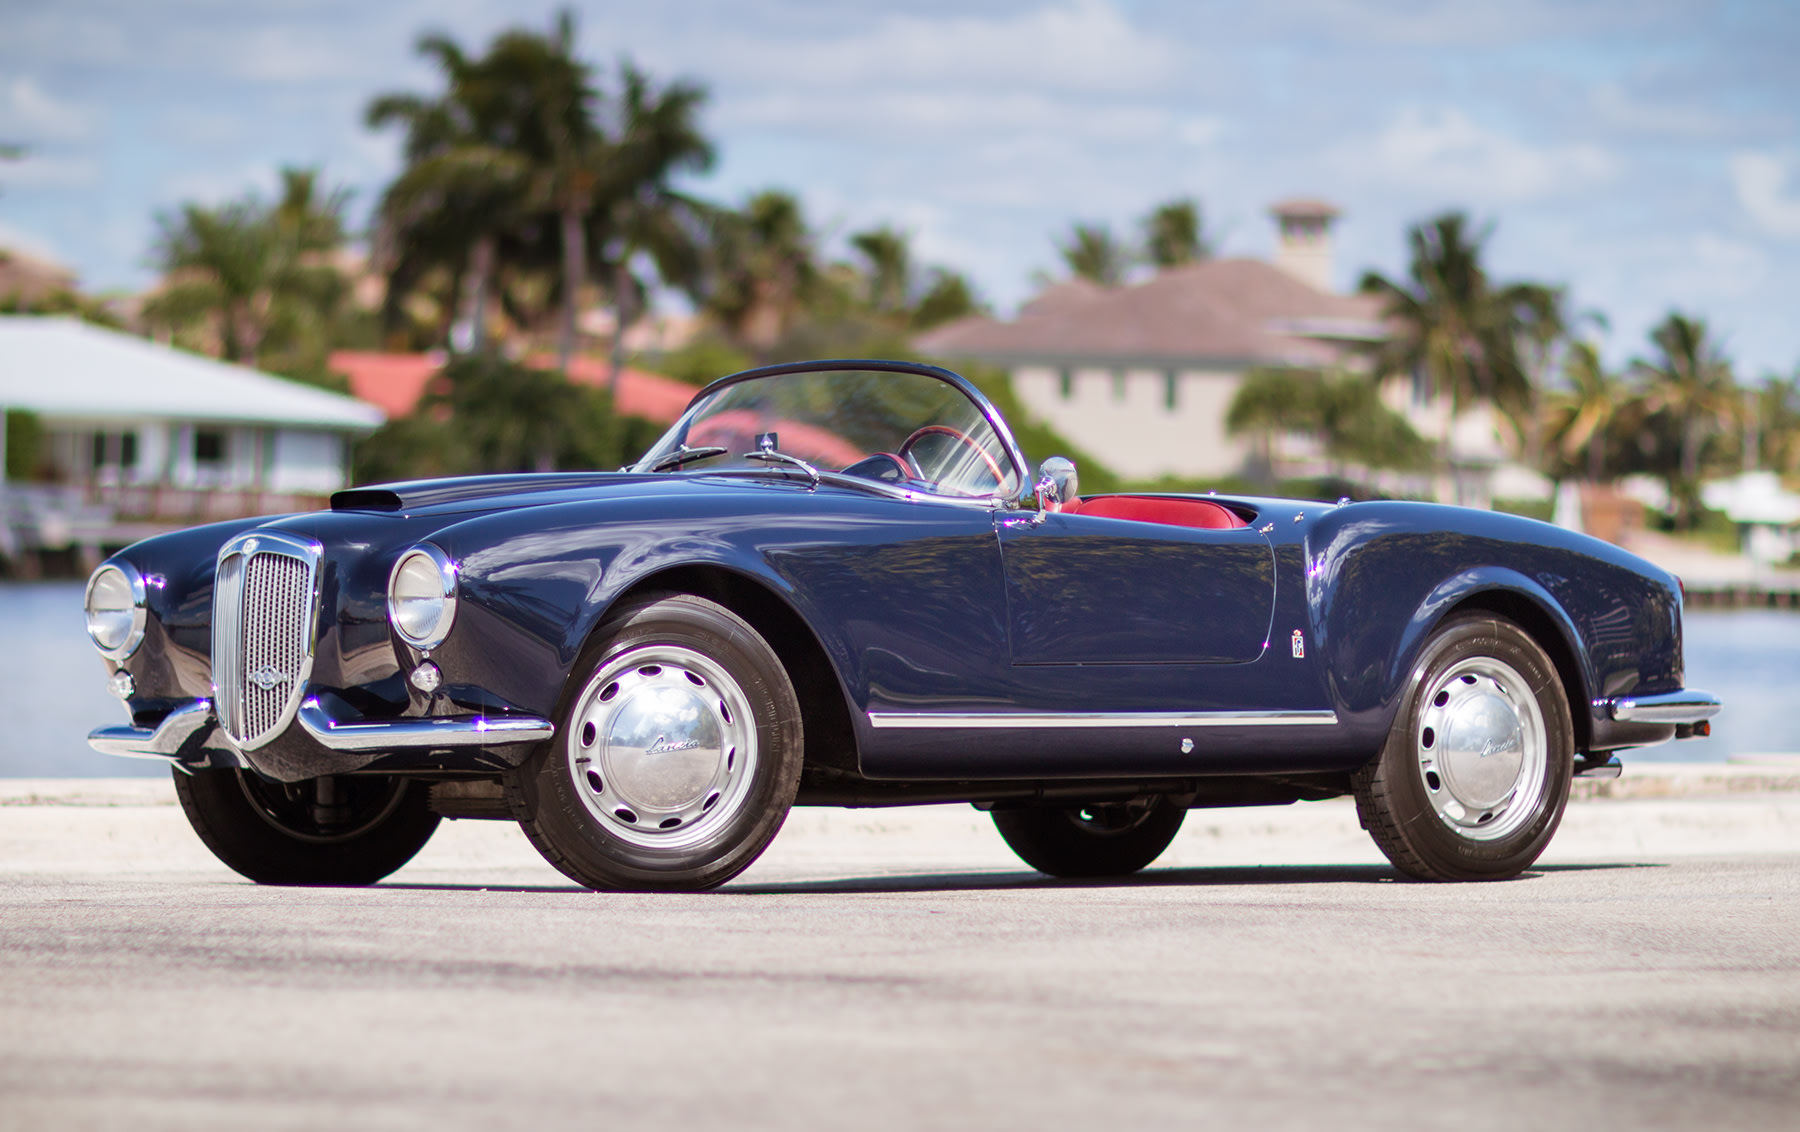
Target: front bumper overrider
(190, 736)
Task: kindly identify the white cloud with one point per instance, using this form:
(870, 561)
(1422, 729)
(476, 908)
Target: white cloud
(49, 171)
(1760, 179)
(936, 114)
(1079, 45)
(1446, 153)
(28, 112)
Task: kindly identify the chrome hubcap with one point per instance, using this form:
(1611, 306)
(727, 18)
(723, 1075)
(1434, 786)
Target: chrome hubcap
(662, 747)
(1482, 749)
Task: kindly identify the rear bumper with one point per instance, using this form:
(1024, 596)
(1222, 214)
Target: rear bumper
(1686, 706)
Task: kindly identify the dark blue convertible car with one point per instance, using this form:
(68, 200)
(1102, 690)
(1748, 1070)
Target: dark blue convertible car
(836, 583)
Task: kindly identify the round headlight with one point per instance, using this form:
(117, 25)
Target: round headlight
(115, 609)
(422, 596)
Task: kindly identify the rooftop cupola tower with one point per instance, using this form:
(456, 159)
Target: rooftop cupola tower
(1305, 248)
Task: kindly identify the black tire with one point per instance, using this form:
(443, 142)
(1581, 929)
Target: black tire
(1431, 800)
(276, 833)
(1111, 840)
(692, 807)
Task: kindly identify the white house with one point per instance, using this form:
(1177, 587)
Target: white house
(144, 432)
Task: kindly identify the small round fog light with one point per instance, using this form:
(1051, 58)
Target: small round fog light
(426, 677)
(121, 684)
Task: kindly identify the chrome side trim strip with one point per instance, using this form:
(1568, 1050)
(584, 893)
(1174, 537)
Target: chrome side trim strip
(164, 741)
(1101, 719)
(1686, 706)
(403, 734)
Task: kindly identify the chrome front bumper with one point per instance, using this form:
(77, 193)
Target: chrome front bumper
(1686, 706)
(189, 735)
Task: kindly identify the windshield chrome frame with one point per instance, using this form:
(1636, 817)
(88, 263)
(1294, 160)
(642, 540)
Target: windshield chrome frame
(1014, 455)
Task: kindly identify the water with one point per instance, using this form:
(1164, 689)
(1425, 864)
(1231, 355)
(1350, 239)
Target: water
(52, 687)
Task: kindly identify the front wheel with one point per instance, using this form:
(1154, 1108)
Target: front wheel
(324, 831)
(677, 753)
(1100, 840)
(1475, 774)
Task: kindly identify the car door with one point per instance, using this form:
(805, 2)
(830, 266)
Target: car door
(1091, 590)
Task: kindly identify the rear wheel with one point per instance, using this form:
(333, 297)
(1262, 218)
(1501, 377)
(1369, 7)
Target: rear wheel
(676, 757)
(1475, 774)
(1100, 840)
(350, 830)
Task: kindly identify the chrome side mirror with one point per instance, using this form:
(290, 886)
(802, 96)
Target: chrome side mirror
(1057, 484)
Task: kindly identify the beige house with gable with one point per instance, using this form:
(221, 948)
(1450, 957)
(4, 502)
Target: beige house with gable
(1142, 375)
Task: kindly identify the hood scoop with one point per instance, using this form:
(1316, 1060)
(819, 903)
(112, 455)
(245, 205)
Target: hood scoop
(465, 489)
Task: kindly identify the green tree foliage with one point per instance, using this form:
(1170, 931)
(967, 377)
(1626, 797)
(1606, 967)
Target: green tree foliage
(1777, 425)
(254, 282)
(24, 445)
(1092, 252)
(764, 269)
(486, 414)
(1342, 410)
(87, 308)
(524, 179)
(1173, 235)
(1688, 380)
(1581, 416)
(1470, 338)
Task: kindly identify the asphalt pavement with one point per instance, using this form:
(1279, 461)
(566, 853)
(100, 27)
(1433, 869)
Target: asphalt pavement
(899, 969)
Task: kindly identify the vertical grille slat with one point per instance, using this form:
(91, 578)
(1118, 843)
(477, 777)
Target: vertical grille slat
(262, 638)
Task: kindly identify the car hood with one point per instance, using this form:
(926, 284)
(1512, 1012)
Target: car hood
(481, 493)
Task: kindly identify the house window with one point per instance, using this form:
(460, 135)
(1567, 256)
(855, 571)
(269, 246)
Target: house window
(209, 446)
(114, 449)
(1171, 390)
(1118, 384)
(1065, 383)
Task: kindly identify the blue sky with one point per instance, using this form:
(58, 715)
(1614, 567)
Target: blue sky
(1645, 153)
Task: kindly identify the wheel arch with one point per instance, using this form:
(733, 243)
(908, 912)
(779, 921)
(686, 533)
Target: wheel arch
(829, 738)
(1530, 608)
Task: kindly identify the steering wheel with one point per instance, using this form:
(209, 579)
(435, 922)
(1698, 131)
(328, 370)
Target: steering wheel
(962, 438)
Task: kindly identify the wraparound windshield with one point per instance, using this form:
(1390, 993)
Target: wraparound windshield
(906, 429)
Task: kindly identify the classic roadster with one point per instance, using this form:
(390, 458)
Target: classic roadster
(835, 583)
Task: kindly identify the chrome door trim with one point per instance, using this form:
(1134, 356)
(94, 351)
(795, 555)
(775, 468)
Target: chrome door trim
(927, 720)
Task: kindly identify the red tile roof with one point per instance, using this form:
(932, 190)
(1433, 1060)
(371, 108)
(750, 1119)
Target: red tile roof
(395, 382)
(1220, 311)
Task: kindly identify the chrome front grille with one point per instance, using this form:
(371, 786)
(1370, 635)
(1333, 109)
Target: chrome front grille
(264, 611)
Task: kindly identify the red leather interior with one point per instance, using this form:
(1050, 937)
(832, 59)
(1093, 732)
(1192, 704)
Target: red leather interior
(1150, 509)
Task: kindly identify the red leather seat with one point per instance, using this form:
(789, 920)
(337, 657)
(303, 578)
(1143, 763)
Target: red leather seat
(1153, 509)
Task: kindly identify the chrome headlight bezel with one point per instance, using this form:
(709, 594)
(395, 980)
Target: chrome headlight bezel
(133, 584)
(435, 565)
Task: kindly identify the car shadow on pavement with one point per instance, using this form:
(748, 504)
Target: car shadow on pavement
(1025, 880)
(1254, 875)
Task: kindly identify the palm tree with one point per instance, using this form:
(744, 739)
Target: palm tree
(1343, 410)
(1465, 336)
(460, 190)
(1093, 253)
(889, 257)
(1172, 235)
(1583, 413)
(764, 268)
(245, 270)
(635, 207)
(1690, 379)
(509, 145)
